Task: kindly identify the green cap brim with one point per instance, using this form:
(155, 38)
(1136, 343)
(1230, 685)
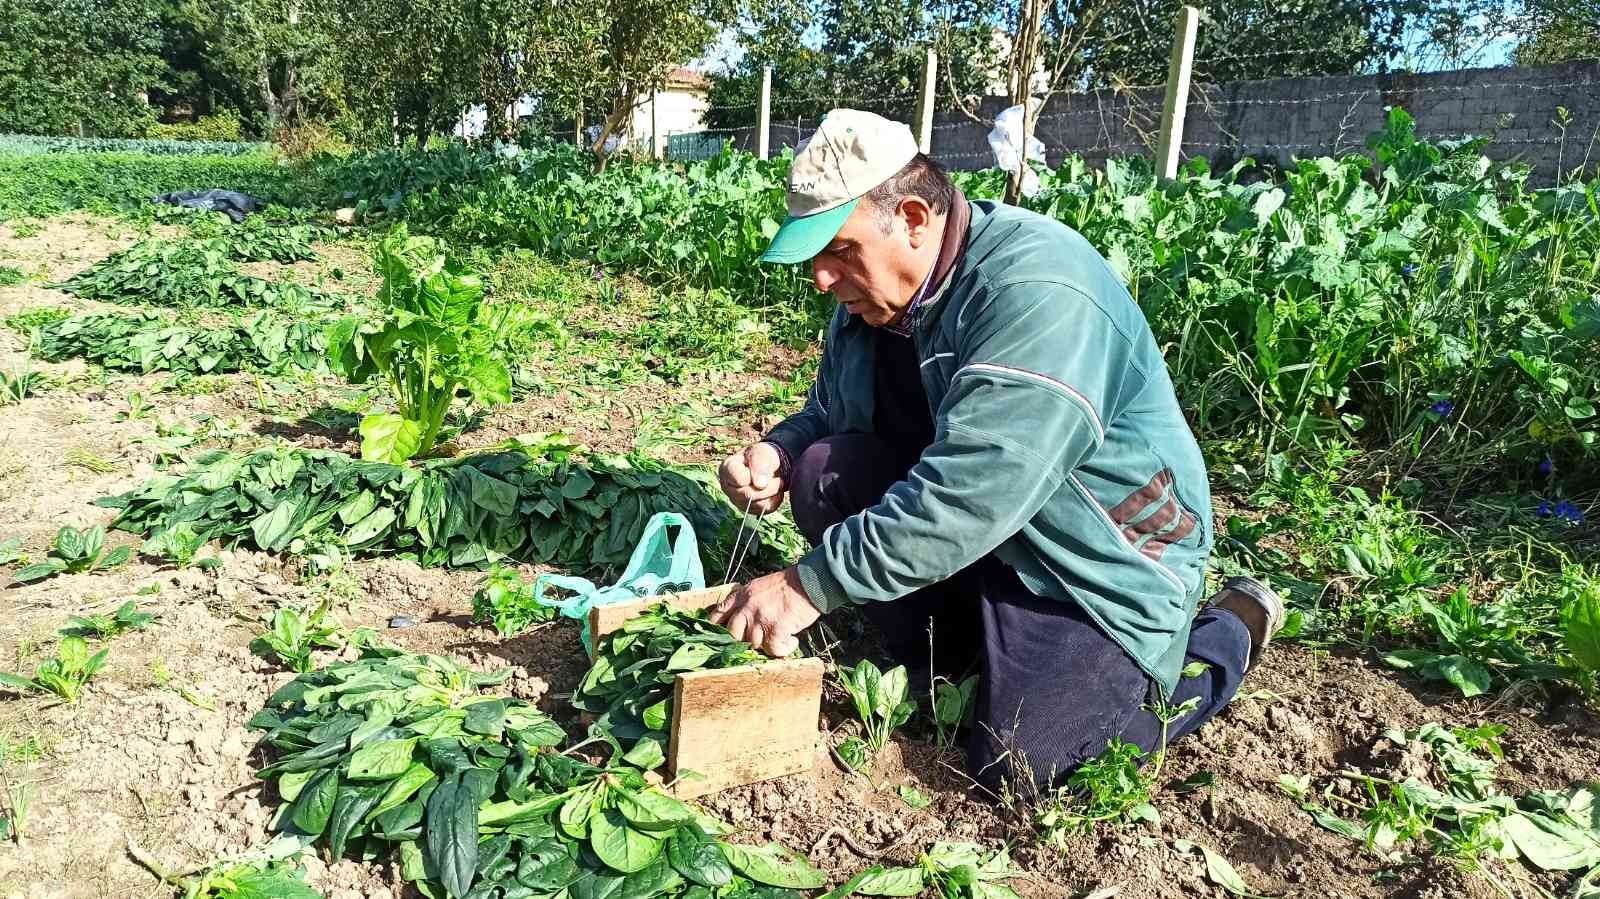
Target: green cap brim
(801, 238)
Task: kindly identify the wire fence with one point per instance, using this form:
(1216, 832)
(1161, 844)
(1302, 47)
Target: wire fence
(1547, 117)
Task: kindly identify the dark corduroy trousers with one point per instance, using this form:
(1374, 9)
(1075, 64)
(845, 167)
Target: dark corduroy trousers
(1054, 688)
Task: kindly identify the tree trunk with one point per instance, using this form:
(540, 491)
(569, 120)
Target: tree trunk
(269, 99)
(1024, 61)
(619, 108)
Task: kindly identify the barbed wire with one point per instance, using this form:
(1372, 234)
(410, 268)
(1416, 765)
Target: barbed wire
(1534, 86)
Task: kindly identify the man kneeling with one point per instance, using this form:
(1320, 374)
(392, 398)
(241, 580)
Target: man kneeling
(993, 447)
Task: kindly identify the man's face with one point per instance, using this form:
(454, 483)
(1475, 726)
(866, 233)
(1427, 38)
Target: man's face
(871, 273)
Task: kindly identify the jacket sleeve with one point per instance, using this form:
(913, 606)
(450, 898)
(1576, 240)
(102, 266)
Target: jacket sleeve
(796, 433)
(1041, 368)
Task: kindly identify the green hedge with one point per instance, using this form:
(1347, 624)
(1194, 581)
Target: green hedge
(53, 183)
(30, 145)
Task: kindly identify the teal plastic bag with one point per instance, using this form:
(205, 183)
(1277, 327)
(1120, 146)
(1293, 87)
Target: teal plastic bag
(661, 563)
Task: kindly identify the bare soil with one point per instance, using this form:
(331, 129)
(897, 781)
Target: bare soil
(156, 754)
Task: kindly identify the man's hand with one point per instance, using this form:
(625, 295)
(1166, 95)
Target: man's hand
(768, 613)
(751, 476)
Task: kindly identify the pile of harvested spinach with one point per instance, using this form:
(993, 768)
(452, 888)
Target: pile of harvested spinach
(401, 753)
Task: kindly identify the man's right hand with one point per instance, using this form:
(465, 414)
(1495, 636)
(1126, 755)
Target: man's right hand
(751, 476)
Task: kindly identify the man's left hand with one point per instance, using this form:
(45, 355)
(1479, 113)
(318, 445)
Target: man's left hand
(768, 613)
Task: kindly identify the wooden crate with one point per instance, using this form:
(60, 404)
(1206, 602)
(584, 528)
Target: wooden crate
(731, 726)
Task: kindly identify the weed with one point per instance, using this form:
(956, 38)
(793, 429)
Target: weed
(18, 385)
(11, 275)
(11, 551)
(126, 618)
(89, 460)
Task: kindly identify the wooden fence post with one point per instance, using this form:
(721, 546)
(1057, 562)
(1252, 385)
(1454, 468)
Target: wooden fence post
(577, 128)
(930, 69)
(658, 141)
(1177, 99)
(764, 116)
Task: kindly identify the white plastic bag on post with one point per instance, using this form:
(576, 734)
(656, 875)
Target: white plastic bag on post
(1005, 140)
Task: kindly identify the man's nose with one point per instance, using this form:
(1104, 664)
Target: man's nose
(823, 276)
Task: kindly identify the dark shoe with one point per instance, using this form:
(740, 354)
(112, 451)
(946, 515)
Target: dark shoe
(1255, 604)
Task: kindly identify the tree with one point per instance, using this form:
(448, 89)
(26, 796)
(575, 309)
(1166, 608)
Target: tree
(413, 60)
(868, 54)
(265, 58)
(619, 52)
(1558, 30)
(79, 66)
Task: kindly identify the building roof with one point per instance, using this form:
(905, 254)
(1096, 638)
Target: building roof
(689, 79)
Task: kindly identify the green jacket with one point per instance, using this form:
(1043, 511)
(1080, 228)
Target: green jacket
(1058, 446)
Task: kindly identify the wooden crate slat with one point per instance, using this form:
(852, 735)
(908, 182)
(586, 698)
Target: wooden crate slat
(734, 726)
(605, 619)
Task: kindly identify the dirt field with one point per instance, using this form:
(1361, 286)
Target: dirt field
(156, 754)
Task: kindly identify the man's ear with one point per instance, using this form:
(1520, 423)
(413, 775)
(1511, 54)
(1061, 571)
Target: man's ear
(918, 217)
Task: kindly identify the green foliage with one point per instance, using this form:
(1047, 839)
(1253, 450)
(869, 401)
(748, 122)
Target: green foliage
(1580, 614)
(947, 871)
(953, 707)
(629, 684)
(1455, 810)
(47, 184)
(146, 341)
(191, 273)
(436, 336)
(266, 878)
(11, 275)
(65, 675)
(881, 699)
(28, 320)
(220, 127)
(536, 505)
(76, 64)
(1109, 788)
(126, 618)
(292, 636)
(18, 385)
(398, 753)
(75, 552)
(30, 145)
(505, 600)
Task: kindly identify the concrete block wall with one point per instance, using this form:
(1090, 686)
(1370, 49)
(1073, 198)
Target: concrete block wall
(1286, 118)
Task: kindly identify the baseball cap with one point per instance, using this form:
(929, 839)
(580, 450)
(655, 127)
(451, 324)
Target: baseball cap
(851, 153)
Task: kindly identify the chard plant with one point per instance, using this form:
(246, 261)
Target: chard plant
(432, 337)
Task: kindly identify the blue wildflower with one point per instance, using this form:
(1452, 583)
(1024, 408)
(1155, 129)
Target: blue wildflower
(1547, 466)
(1442, 408)
(1544, 509)
(1568, 512)
(1407, 270)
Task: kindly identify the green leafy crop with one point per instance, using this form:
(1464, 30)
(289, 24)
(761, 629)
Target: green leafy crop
(184, 274)
(402, 753)
(881, 699)
(145, 341)
(947, 871)
(292, 636)
(65, 675)
(435, 336)
(126, 618)
(504, 600)
(629, 685)
(534, 505)
(74, 552)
